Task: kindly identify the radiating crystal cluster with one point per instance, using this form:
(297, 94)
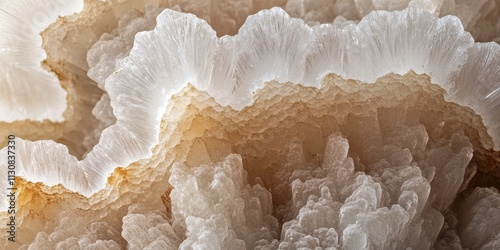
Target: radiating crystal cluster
(236, 125)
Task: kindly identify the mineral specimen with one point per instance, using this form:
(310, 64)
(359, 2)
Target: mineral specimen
(250, 124)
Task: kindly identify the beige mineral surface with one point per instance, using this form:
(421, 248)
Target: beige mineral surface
(322, 125)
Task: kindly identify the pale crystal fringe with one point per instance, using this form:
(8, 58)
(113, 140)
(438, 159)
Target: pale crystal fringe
(270, 46)
(21, 72)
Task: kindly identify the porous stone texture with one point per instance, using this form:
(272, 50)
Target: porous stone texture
(66, 43)
(68, 40)
(328, 168)
(349, 128)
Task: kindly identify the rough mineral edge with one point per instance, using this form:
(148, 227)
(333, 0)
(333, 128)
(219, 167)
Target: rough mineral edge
(153, 72)
(106, 54)
(480, 18)
(251, 68)
(206, 132)
(20, 57)
(104, 57)
(68, 40)
(476, 17)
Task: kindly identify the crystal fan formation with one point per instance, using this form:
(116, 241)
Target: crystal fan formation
(241, 125)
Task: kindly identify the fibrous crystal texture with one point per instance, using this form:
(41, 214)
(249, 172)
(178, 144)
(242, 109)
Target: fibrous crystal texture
(213, 125)
(20, 59)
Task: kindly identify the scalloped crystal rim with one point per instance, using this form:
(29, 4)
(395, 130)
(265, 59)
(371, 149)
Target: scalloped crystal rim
(269, 46)
(21, 56)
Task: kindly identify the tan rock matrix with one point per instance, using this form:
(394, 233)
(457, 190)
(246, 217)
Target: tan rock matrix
(250, 124)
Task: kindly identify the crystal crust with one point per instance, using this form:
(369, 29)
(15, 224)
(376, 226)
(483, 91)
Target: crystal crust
(361, 125)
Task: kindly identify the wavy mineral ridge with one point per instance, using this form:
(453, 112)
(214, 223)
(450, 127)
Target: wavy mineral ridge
(252, 124)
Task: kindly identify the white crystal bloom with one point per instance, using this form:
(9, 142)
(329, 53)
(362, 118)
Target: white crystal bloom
(20, 61)
(350, 127)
